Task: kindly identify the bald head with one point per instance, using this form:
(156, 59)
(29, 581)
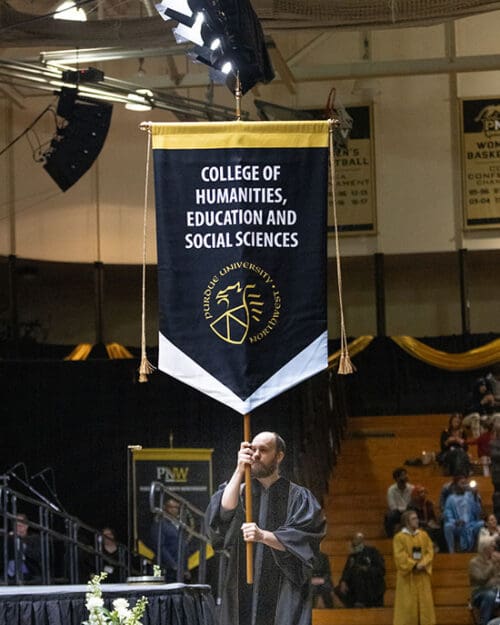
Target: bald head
(279, 443)
(268, 452)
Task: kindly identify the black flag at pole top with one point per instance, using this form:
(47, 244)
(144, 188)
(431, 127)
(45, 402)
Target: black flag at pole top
(241, 226)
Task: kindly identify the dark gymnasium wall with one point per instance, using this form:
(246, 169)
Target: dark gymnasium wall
(79, 417)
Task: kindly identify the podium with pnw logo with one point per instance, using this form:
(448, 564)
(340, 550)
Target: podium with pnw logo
(185, 471)
(241, 226)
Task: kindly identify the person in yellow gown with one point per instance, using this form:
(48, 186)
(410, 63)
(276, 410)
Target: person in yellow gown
(413, 555)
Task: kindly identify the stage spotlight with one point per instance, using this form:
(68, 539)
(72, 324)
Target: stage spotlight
(69, 11)
(228, 38)
(79, 140)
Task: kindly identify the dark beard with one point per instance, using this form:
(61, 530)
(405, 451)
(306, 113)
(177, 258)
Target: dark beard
(261, 470)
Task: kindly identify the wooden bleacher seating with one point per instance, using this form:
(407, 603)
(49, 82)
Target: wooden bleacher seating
(372, 449)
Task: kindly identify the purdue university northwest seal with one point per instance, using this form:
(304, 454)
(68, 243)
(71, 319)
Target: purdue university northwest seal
(241, 303)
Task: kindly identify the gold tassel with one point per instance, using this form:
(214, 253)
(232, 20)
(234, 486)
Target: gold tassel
(345, 364)
(145, 369)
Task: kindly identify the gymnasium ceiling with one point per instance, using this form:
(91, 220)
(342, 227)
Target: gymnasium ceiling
(132, 29)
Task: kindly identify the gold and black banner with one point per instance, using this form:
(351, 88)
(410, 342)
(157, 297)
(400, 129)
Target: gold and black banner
(241, 226)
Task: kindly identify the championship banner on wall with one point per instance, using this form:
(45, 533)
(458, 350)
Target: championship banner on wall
(187, 472)
(355, 178)
(480, 121)
(241, 226)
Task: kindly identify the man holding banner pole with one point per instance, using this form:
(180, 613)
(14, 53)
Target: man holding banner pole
(287, 529)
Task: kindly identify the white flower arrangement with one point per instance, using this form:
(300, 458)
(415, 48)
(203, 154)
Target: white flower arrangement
(121, 614)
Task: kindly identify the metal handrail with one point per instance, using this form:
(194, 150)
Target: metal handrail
(158, 494)
(47, 526)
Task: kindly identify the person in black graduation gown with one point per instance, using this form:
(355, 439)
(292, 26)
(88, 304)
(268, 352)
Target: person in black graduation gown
(362, 583)
(287, 530)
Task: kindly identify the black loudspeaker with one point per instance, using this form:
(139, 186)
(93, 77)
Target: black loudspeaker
(77, 144)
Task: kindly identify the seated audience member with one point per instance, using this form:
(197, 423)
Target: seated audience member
(490, 529)
(495, 456)
(483, 441)
(427, 519)
(398, 498)
(110, 548)
(24, 553)
(483, 399)
(462, 516)
(321, 582)
(493, 381)
(480, 426)
(484, 578)
(447, 489)
(362, 583)
(453, 455)
(471, 423)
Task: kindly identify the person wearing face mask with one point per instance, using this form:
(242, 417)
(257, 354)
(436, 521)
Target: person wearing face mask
(362, 584)
(398, 498)
(413, 556)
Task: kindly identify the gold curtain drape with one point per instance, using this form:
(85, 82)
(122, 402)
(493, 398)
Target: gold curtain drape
(477, 358)
(81, 352)
(114, 350)
(353, 348)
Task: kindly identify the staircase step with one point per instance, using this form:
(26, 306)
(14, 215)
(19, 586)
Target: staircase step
(441, 577)
(345, 531)
(392, 445)
(436, 422)
(445, 615)
(454, 563)
(348, 501)
(450, 596)
(355, 516)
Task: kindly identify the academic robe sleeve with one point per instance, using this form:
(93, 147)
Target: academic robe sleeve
(223, 526)
(377, 560)
(300, 535)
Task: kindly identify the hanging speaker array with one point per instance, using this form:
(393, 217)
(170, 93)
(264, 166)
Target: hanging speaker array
(78, 139)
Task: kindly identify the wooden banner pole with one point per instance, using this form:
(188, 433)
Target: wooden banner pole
(248, 499)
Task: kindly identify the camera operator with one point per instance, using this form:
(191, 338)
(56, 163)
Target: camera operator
(484, 577)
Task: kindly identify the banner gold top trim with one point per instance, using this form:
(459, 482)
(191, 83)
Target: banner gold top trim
(171, 453)
(217, 135)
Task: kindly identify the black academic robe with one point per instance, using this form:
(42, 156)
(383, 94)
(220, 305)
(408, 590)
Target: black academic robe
(364, 575)
(281, 592)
